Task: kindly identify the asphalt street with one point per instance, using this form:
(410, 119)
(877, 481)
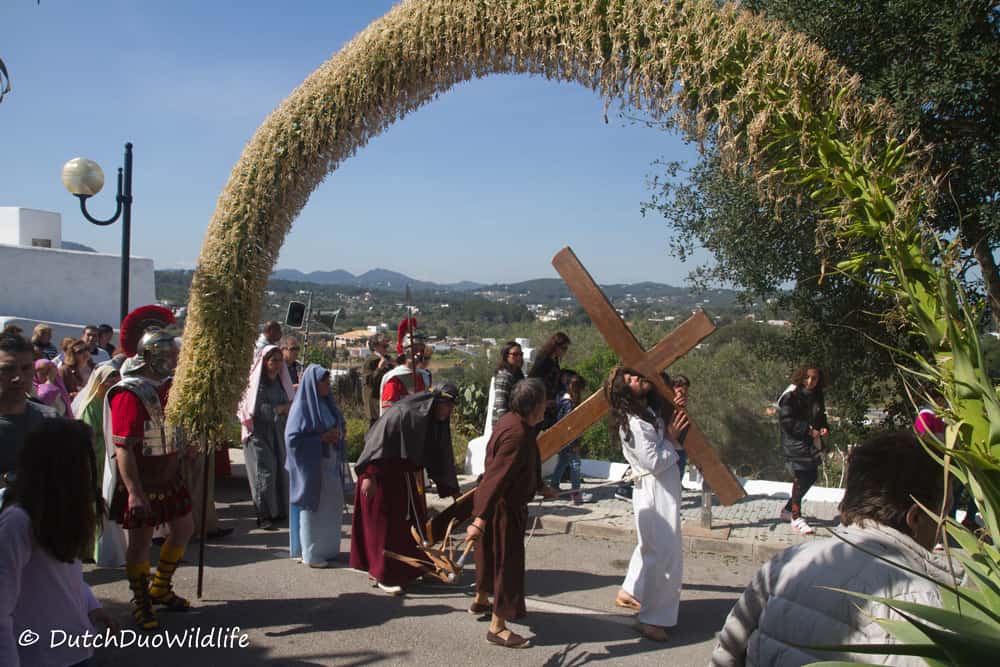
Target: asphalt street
(296, 616)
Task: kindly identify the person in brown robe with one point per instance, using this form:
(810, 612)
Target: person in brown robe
(500, 510)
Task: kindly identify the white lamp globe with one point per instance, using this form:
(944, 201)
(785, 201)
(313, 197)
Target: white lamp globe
(83, 177)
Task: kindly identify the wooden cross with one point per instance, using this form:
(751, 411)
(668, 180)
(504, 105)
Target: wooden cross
(614, 330)
(617, 334)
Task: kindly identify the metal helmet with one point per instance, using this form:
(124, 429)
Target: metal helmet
(158, 351)
(145, 342)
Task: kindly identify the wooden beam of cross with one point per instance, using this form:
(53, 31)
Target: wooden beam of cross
(675, 345)
(623, 342)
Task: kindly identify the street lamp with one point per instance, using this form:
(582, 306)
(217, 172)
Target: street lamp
(84, 178)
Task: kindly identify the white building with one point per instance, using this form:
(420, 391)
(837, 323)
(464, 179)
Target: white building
(66, 289)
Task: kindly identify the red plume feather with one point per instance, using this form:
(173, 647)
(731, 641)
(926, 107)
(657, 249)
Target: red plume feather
(406, 326)
(135, 324)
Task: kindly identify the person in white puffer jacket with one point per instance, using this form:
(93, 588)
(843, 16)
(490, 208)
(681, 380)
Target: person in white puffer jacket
(788, 606)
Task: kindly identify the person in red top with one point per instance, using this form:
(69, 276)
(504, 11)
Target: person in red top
(405, 379)
(149, 490)
(929, 423)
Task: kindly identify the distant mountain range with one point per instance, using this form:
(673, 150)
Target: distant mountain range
(381, 279)
(528, 291)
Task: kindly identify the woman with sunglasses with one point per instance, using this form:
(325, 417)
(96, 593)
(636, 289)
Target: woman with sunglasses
(508, 374)
(75, 368)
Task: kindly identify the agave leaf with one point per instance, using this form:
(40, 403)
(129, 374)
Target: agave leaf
(975, 632)
(919, 649)
(912, 636)
(959, 647)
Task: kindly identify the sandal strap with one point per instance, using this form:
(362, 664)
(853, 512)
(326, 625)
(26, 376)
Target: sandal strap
(171, 600)
(142, 606)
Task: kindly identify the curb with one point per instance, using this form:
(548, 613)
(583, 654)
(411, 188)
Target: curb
(693, 543)
(756, 551)
(693, 539)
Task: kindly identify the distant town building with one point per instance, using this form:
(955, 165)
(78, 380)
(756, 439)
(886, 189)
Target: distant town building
(353, 338)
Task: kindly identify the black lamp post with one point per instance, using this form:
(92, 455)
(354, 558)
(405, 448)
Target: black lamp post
(84, 178)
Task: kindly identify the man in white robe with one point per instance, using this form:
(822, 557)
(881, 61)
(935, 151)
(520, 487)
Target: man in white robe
(656, 568)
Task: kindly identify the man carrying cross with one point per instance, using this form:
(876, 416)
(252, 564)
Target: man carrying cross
(656, 569)
(614, 330)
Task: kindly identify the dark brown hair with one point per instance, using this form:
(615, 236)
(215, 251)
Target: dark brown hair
(558, 339)
(885, 475)
(68, 352)
(622, 402)
(57, 486)
(799, 376)
(575, 384)
(502, 364)
(13, 343)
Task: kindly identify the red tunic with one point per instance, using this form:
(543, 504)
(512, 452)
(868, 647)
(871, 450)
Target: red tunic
(159, 475)
(382, 521)
(395, 388)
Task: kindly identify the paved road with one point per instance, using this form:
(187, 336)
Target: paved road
(296, 616)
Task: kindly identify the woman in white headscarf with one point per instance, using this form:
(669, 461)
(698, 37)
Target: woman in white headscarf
(262, 413)
(88, 406)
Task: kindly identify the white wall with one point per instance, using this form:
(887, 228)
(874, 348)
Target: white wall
(19, 226)
(67, 286)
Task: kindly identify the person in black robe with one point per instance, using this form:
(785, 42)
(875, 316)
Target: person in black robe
(500, 510)
(412, 436)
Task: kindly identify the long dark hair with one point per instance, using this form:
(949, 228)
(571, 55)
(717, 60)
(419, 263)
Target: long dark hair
(622, 402)
(502, 365)
(799, 376)
(574, 384)
(57, 486)
(558, 339)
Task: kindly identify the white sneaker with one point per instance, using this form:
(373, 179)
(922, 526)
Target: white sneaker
(391, 590)
(785, 515)
(801, 526)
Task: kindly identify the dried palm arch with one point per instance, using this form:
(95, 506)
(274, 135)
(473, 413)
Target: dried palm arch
(773, 100)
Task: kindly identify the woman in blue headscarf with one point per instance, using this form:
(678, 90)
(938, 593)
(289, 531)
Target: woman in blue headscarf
(315, 435)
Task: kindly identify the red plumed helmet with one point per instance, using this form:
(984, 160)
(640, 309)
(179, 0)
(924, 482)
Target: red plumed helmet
(135, 324)
(406, 326)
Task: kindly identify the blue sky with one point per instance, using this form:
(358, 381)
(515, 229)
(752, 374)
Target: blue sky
(489, 180)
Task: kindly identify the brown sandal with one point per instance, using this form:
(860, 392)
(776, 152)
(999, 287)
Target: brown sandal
(628, 603)
(478, 608)
(652, 632)
(512, 640)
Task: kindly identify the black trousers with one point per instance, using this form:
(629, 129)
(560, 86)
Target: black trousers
(804, 479)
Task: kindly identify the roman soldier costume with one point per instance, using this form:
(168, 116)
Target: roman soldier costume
(134, 421)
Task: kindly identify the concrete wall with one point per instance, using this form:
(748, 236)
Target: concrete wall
(67, 286)
(21, 226)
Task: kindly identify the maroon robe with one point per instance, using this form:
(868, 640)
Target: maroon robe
(513, 476)
(383, 520)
